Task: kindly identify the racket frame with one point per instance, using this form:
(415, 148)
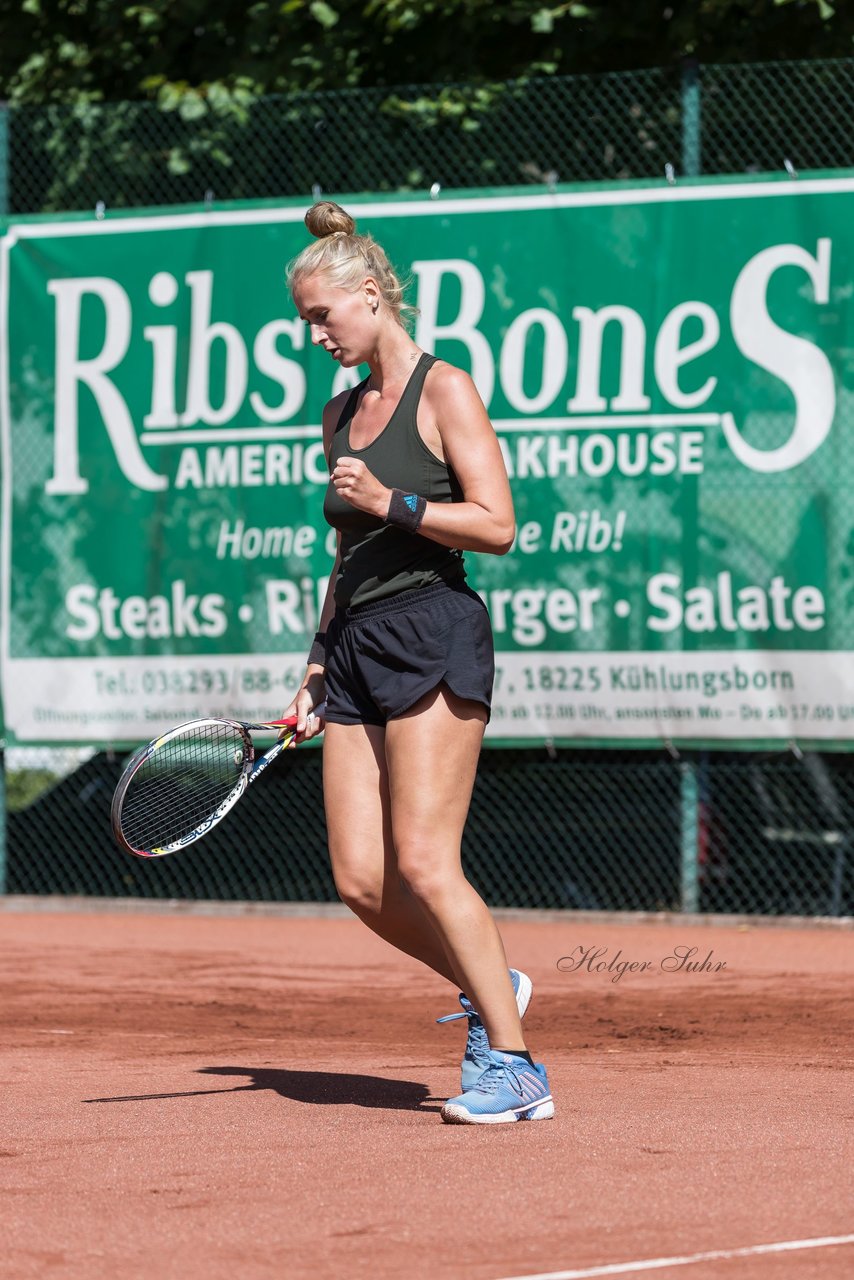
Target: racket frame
(251, 769)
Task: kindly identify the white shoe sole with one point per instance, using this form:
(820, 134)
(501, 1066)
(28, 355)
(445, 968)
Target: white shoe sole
(523, 995)
(452, 1114)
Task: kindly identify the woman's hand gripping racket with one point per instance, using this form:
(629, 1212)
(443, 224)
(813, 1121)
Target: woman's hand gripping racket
(177, 788)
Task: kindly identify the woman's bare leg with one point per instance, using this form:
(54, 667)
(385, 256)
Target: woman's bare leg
(432, 753)
(358, 818)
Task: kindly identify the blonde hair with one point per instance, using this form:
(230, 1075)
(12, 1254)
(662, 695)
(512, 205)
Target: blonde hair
(346, 258)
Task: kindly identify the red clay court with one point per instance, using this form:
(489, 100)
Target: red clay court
(257, 1095)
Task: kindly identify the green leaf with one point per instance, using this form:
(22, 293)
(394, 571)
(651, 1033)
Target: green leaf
(324, 13)
(169, 97)
(192, 106)
(145, 17)
(177, 162)
(542, 21)
(219, 97)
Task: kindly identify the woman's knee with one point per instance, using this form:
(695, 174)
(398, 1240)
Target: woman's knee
(360, 890)
(429, 877)
(362, 899)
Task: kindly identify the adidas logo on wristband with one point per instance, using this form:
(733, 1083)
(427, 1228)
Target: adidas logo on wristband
(406, 510)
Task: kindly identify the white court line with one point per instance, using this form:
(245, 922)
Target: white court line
(655, 1264)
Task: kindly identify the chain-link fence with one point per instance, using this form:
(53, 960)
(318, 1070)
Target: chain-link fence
(718, 832)
(644, 124)
(603, 831)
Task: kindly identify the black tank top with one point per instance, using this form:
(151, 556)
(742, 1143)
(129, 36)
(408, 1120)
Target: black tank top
(378, 559)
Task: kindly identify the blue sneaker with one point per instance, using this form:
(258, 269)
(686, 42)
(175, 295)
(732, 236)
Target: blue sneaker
(476, 1057)
(510, 1089)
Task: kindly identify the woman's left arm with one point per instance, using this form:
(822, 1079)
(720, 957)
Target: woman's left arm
(484, 520)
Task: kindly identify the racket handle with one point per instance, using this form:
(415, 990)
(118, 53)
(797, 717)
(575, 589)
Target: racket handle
(285, 726)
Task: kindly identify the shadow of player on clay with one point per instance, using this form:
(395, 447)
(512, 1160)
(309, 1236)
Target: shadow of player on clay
(323, 1088)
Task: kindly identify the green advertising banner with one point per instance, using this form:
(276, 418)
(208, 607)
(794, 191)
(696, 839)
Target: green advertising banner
(670, 374)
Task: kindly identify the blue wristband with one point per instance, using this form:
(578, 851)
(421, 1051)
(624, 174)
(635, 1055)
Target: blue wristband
(406, 510)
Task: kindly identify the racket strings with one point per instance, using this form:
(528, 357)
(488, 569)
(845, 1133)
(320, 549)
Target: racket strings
(181, 785)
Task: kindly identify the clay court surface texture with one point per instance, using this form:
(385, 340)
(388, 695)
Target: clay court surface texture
(255, 1095)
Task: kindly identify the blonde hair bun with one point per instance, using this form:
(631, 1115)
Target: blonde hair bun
(345, 258)
(326, 218)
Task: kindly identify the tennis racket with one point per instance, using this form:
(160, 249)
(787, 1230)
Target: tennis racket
(177, 788)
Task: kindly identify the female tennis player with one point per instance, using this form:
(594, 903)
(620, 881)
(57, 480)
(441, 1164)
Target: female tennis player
(404, 655)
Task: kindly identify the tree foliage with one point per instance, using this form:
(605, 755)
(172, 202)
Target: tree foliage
(171, 51)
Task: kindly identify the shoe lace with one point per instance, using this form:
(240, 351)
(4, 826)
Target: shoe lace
(477, 1043)
(452, 1017)
(470, 1013)
(495, 1075)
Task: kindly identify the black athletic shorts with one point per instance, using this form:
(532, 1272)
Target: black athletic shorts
(383, 656)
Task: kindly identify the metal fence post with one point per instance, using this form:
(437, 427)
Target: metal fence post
(691, 118)
(689, 793)
(4, 209)
(4, 159)
(2, 821)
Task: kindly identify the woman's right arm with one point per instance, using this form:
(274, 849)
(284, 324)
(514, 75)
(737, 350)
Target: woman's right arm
(311, 691)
